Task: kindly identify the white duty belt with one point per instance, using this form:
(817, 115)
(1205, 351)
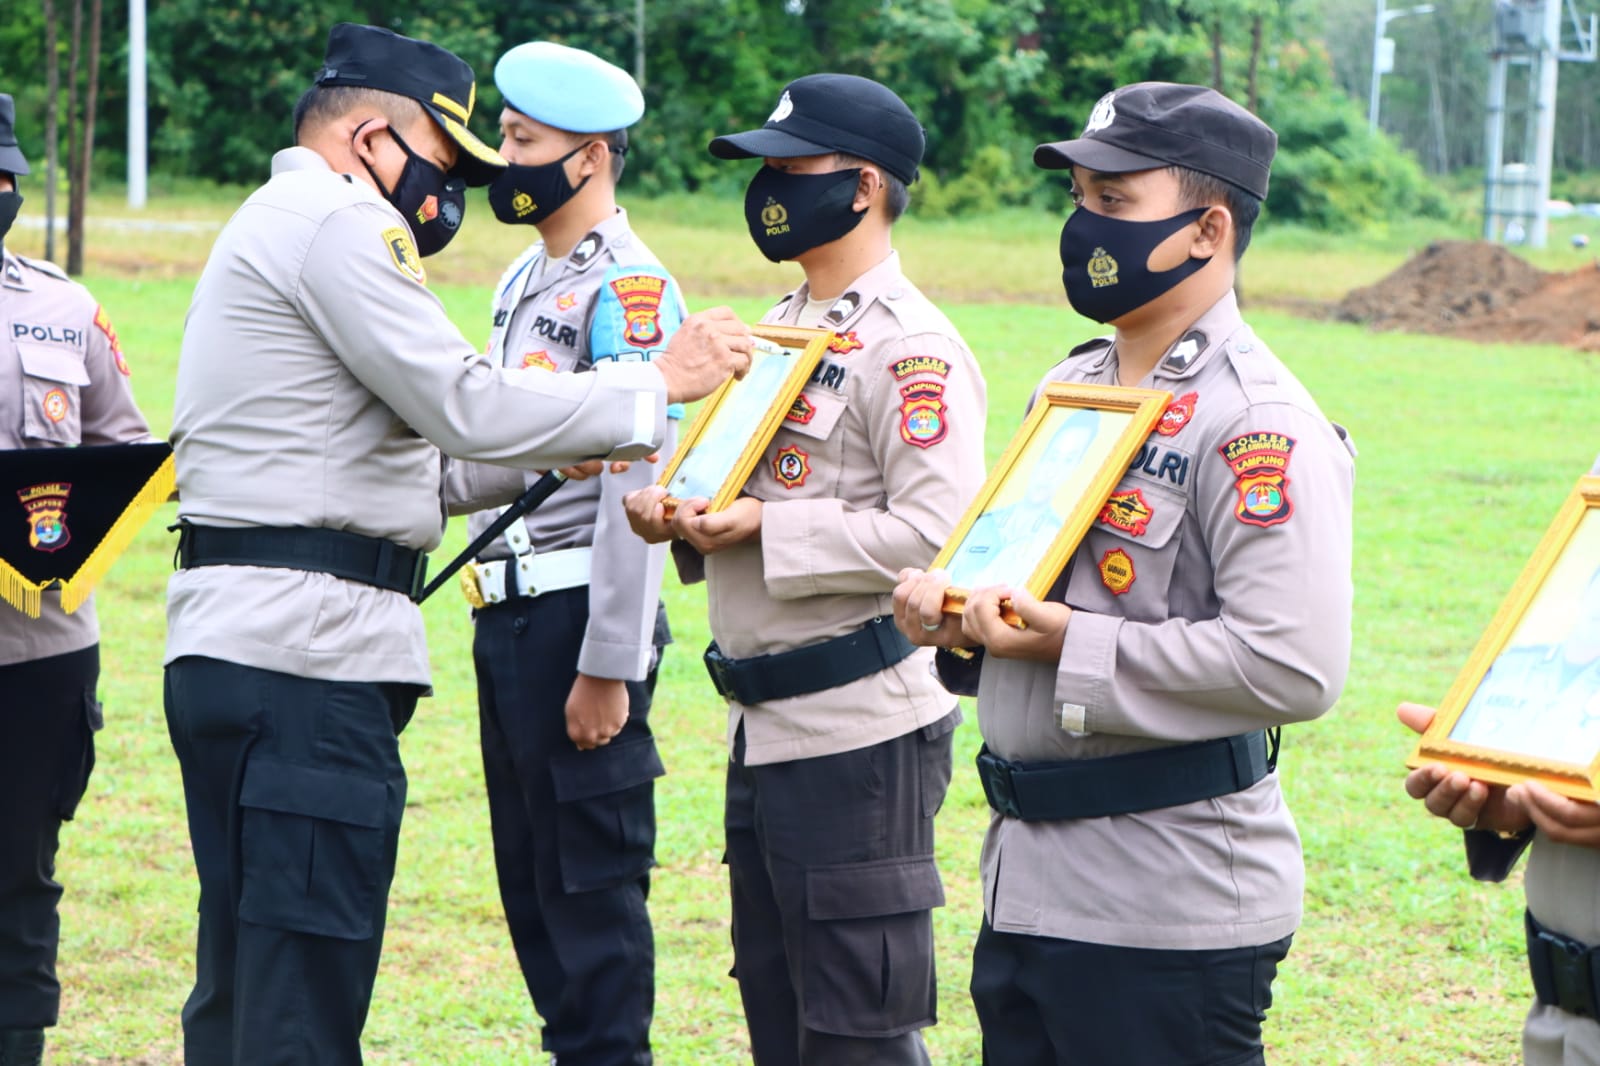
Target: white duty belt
(527, 573)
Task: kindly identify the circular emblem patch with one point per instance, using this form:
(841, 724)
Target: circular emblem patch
(1116, 571)
(55, 405)
(774, 214)
(1102, 268)
(791, 466)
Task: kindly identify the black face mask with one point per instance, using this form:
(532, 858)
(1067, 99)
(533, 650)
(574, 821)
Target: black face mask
(10, 204)
(532, 194)
(790, 214)
(1105, 262)
(432, 202)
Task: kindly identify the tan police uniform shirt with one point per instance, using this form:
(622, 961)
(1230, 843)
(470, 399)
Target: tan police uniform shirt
(1563, 889)
(1215, 602)
(544, 312)
(64, 383)
(319, 381)
(867, 475)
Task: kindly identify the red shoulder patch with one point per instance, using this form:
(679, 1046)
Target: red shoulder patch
(103, 322)
(924, 420)
(1260, 462)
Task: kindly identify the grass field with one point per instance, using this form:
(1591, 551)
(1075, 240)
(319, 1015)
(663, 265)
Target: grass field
(1466, 452)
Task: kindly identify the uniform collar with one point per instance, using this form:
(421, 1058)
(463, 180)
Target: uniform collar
(883, 281)
(11, 274)
(1195, 347)
(301, 158)
(588, 251)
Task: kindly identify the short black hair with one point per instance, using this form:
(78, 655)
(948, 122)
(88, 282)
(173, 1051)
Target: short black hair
(321, 104)
(896, 196)
(1196, 189)
(617, 143)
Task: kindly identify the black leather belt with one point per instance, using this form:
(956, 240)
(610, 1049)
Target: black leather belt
(876, 646)
(1123, 784)
(370, 560)
(1566, 972)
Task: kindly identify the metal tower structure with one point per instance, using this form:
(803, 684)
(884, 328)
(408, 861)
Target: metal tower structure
(1528, 41)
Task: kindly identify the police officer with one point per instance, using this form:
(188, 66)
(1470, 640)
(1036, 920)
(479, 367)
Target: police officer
(569, 625)
(1142, 876)
(66, 384)
(839, 733)
(1562, 921)
(318, 382)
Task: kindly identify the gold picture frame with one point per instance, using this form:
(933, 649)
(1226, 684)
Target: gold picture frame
(1521, 708)
(1073, 448)
(739, 419)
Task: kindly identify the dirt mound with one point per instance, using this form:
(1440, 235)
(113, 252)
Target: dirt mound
(1481, 291)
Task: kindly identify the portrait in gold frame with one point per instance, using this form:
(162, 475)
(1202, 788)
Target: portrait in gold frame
(739, 419)
(1048, 487)
(1520, 709)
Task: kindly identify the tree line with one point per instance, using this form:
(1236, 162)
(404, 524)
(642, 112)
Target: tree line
(988, 78)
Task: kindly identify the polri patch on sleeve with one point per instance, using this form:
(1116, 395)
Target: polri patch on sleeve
(1260, 464)
(404, 254)
(640, 296)
(923, 418)
(103, 323)
(919, 364)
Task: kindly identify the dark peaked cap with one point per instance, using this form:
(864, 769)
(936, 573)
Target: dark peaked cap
(1159, 124)
(371, 57)
(822, 113)
(12, 160)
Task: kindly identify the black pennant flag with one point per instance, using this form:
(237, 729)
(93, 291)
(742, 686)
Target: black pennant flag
(67, 513)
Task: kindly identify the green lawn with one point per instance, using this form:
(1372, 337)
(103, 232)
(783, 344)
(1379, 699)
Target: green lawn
(1466, 452)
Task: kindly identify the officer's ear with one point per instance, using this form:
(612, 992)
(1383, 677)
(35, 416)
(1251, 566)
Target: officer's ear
(868, 186)
(361, 140)
(1215, 236)
(594, 158)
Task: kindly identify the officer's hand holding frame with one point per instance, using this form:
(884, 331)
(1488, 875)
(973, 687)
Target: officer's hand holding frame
(740, 419)
(1047, 489)
(1526, 707)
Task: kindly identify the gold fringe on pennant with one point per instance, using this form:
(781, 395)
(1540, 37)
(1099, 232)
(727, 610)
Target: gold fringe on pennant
(76, 589)
(18, 591)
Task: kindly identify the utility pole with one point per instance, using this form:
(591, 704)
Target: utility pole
(1383, 51)
(137, 158)
(638, 42)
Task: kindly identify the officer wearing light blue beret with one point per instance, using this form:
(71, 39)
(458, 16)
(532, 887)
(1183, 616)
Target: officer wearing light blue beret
(569, 627)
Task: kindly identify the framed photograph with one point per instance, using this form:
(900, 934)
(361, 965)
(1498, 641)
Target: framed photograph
(738, 421)
(1527, 704)
(1048, 488)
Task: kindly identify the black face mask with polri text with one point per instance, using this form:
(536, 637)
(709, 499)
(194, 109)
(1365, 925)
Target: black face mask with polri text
(1105, 262)
(790, 214)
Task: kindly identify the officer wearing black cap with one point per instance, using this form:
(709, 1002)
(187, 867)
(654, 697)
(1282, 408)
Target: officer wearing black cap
(839, 733)
(1142, 876)
(67, 385)
(318, 383)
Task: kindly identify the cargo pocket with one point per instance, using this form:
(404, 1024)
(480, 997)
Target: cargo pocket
(51, 378)
(605, 813)
(934, 754)
(77, 758)
(1124, 565)
(312, 848)
(869, 946)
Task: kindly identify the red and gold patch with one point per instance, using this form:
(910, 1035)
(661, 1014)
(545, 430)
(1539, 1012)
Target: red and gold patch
(920, 364)
(103, 323)
(55, 405)
(566, 301)
(791, 466)
(540, 359)
(47, 515)
(1177, 414)
(923, 421)
(1116, 571)
(640, 296)
(802, 411)
(1260, 462)
(844, 343)
(1127, 511)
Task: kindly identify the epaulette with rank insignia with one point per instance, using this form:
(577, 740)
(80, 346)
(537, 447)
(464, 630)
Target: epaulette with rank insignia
(45, 267)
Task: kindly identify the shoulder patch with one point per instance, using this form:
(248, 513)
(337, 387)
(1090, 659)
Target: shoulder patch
(924, 420)
(103, 324)
(1260, 464)
(919, 364)
(633, 315)
(404, 254)
(1097, 344)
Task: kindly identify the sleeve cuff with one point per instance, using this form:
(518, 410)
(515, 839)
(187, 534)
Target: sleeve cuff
(641, 395)
(615, 661)
(1088, 658)
(789, 574)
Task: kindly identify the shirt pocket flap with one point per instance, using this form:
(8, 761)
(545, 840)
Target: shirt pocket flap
(872, 889)
(52, 364)
(606, 770)
(1142, 514)
(814, 413)
(274, 785)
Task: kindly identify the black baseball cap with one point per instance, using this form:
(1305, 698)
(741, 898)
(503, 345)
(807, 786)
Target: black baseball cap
(1159, 124)
(822, 113)
(370, 57)
(12, 161)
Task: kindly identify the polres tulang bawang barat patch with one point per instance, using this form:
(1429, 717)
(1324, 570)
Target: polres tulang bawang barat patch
(1260, 464)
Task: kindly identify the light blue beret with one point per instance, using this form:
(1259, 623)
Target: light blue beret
(568, 88)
